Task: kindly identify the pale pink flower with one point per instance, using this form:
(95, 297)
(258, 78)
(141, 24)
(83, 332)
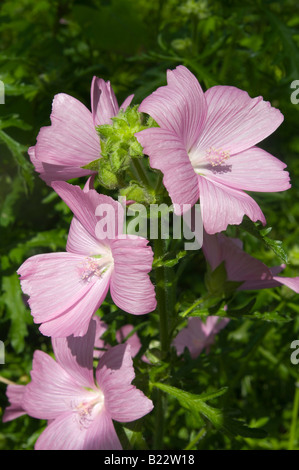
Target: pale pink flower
(122, 335)
(15, 395)
(65, 289)
(241, 267)
(205, 148)
(198, 335)
(78, 402)
(71, 141)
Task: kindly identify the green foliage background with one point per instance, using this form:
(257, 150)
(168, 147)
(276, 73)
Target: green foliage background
(52, 46)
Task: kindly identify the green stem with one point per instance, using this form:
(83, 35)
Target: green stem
(193, 306)
(194, 441)
(164, 308)
(295, 412)
(159, 432)
(161, 295)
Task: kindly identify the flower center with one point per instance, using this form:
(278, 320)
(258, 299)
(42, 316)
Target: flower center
(87, 409)
(217, 156)
(94, 266)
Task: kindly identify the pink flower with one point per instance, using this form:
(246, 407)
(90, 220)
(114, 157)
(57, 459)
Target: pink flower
(123, 334)
(65, 289)
(78, 403)
(198, 335)
(241, 267)
(71, 141)
(205, 148)
(15, 394)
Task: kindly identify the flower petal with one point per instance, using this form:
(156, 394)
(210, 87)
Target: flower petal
(168, 154)
(86, 205)
(75, 355)
(81, 242)
(60, 298)
(75, 320)
(71, 140)
(252, 170)
(179, 107)
(62, 434)
(50, 172)
(66, 433)
(15, 394)
(291, 282)
(240, 266)
(114, 374)
(101, 434)
(222, 206)
(103, 102)
(126, 102)
(53, 283)
(131, 288)
(51, 390)
(133, 340)
(236, 122)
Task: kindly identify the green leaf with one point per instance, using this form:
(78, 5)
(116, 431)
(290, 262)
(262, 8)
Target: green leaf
(12, 298)
(18, 151)
(169, 261)
(219, 419)
(106, 176)
(261, 234)
(93, 166)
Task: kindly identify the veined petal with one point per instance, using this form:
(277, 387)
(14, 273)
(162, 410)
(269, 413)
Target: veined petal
(212, 250)
(75, 320)
(168, 154)
(240, 266)
(53, 283)
(291, 282)
(101, 434)
(88, 205)
(65, 291)
(81, 242)
(75, 355)
(103, 102)
(126, 102)
(131, 288)
(51, 390)
(236, 122)
(71, 140)
(252, 170)
(222, 206)
(15, 394)
(179, 107)
(133, 340)
(66, 433)
(114, 375)
(61, 434)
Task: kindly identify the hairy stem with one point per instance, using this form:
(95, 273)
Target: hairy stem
(292, 440)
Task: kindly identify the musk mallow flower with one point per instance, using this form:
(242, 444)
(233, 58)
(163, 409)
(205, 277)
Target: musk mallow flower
(123, 334)
(71, 141)
(80, 403)
(65, 289)
(205, 146)
(198, 335)
(241, 267)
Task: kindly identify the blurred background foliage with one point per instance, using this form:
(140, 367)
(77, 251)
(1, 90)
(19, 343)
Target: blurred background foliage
(52, 46)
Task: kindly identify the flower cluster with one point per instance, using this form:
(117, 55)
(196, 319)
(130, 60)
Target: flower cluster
(203, 145)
